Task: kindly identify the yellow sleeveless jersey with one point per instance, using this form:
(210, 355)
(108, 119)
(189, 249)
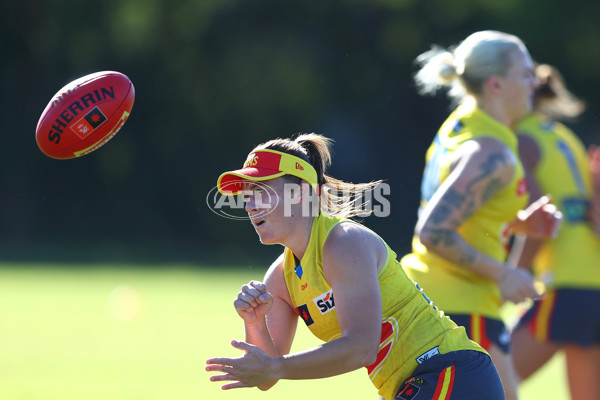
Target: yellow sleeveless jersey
(413, 329)
(573, 258)
(454, 289)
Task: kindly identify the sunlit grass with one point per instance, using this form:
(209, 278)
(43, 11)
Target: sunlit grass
(117, 332)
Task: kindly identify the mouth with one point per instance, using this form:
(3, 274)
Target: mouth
(258, 222)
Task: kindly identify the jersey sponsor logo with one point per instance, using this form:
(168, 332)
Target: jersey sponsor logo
(304, 314)
(428, 354)
(408, 392)
(325, 302)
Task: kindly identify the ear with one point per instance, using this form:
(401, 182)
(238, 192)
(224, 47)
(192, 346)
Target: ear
(493, 84)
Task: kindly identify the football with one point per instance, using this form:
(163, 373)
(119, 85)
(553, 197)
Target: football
(85, 114)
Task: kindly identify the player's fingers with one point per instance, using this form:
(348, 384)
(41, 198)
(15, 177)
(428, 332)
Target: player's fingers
(224, 377)
(248, 298)
(251, 290)
(261, 287)
(222, 364)
(218, 368)
(265, 298)
(235, 385)
(242, 305)
(542, 201)
(242, 345)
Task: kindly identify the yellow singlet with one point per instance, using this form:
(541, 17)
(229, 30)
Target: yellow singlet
(413, 329)
(454, 289)
(573, 258)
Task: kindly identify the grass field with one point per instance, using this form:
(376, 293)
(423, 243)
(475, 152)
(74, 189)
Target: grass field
(121, 332)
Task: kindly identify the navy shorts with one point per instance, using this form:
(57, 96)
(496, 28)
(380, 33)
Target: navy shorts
(484, 331)
(464, 375)
(565, 316)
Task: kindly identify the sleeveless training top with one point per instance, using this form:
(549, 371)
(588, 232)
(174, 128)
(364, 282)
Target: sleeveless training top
(453, 288)
(573, 258)
(413, 329)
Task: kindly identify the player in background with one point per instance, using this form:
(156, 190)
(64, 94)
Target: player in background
(347, 286)
(473, 190)
(567, 317)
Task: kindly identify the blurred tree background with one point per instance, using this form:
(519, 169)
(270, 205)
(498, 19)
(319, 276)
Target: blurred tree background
(213, 78)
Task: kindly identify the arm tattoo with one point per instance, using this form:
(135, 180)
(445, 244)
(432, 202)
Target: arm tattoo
(492, 188)
(442, 237)
(451, 200)
(454, 246)
(468, 256)
(450, 240)
(487, 168)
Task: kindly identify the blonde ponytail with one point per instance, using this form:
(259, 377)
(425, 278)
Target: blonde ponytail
(552, 98)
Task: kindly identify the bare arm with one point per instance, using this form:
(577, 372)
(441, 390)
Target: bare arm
(482, 168)
(269, 324)
(351, 258)
(594, 209)
(525, 248)
(275, 328)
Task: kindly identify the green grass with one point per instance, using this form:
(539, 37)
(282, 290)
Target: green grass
(117, 332)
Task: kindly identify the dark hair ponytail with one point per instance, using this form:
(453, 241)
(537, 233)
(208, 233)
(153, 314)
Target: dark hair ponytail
(337, 197)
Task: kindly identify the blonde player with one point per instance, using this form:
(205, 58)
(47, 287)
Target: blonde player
(345, 283)
(473, 189)
(567, 318)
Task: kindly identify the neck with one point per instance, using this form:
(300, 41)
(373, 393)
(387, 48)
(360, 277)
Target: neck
(299, 236)
(495, 109)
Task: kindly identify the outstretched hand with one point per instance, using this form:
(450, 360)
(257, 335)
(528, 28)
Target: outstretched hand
(540, 220)
(254, 368)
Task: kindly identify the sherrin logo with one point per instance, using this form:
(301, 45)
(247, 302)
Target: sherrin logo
(325, 302)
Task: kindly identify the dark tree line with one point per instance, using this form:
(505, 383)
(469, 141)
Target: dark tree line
(213, 78)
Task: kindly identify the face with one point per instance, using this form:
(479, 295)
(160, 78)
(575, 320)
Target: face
(272, 206)
(519, 85)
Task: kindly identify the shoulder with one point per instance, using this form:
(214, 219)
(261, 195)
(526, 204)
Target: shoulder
(351, 241)
(487, 153)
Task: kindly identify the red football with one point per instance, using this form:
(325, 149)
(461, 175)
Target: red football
(85, 114)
